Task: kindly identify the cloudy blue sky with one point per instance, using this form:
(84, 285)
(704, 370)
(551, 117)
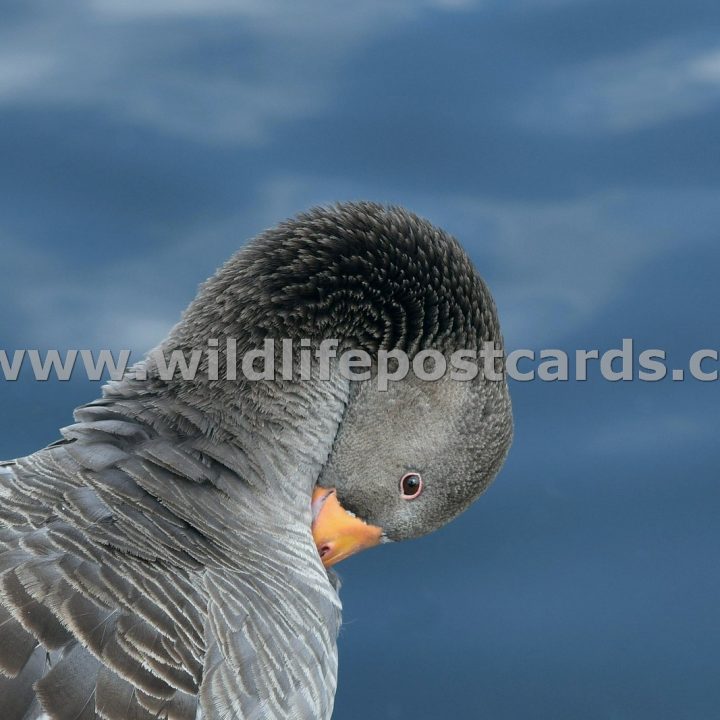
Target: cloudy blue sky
(574, 148)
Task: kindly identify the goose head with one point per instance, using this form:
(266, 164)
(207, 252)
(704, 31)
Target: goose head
(393, 462)
(408, 460)
(409, 457)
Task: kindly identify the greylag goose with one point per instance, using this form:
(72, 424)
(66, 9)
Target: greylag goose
(170, 556)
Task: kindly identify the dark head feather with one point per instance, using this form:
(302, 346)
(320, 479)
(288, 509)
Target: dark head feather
(369, 275)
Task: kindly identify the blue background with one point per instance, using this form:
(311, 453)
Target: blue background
(572, 146)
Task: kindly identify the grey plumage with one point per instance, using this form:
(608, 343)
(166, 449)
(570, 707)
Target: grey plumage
(157, 561)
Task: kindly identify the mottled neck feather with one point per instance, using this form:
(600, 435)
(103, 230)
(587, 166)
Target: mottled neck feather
(274, 437)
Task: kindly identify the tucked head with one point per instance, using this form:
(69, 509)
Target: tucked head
(409, 460)
(404, 461)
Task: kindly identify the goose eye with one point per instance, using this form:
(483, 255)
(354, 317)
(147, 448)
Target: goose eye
(411, 486)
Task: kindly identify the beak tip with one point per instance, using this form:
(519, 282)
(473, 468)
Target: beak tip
(336, 532)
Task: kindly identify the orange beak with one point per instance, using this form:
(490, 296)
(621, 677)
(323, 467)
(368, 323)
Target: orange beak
(336, 532)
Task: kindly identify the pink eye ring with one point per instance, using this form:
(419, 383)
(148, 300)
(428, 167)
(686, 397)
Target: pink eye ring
(411, 485)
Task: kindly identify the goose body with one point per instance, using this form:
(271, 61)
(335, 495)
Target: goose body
(158, 561)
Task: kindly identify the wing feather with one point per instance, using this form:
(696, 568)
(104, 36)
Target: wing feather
(136, 582)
